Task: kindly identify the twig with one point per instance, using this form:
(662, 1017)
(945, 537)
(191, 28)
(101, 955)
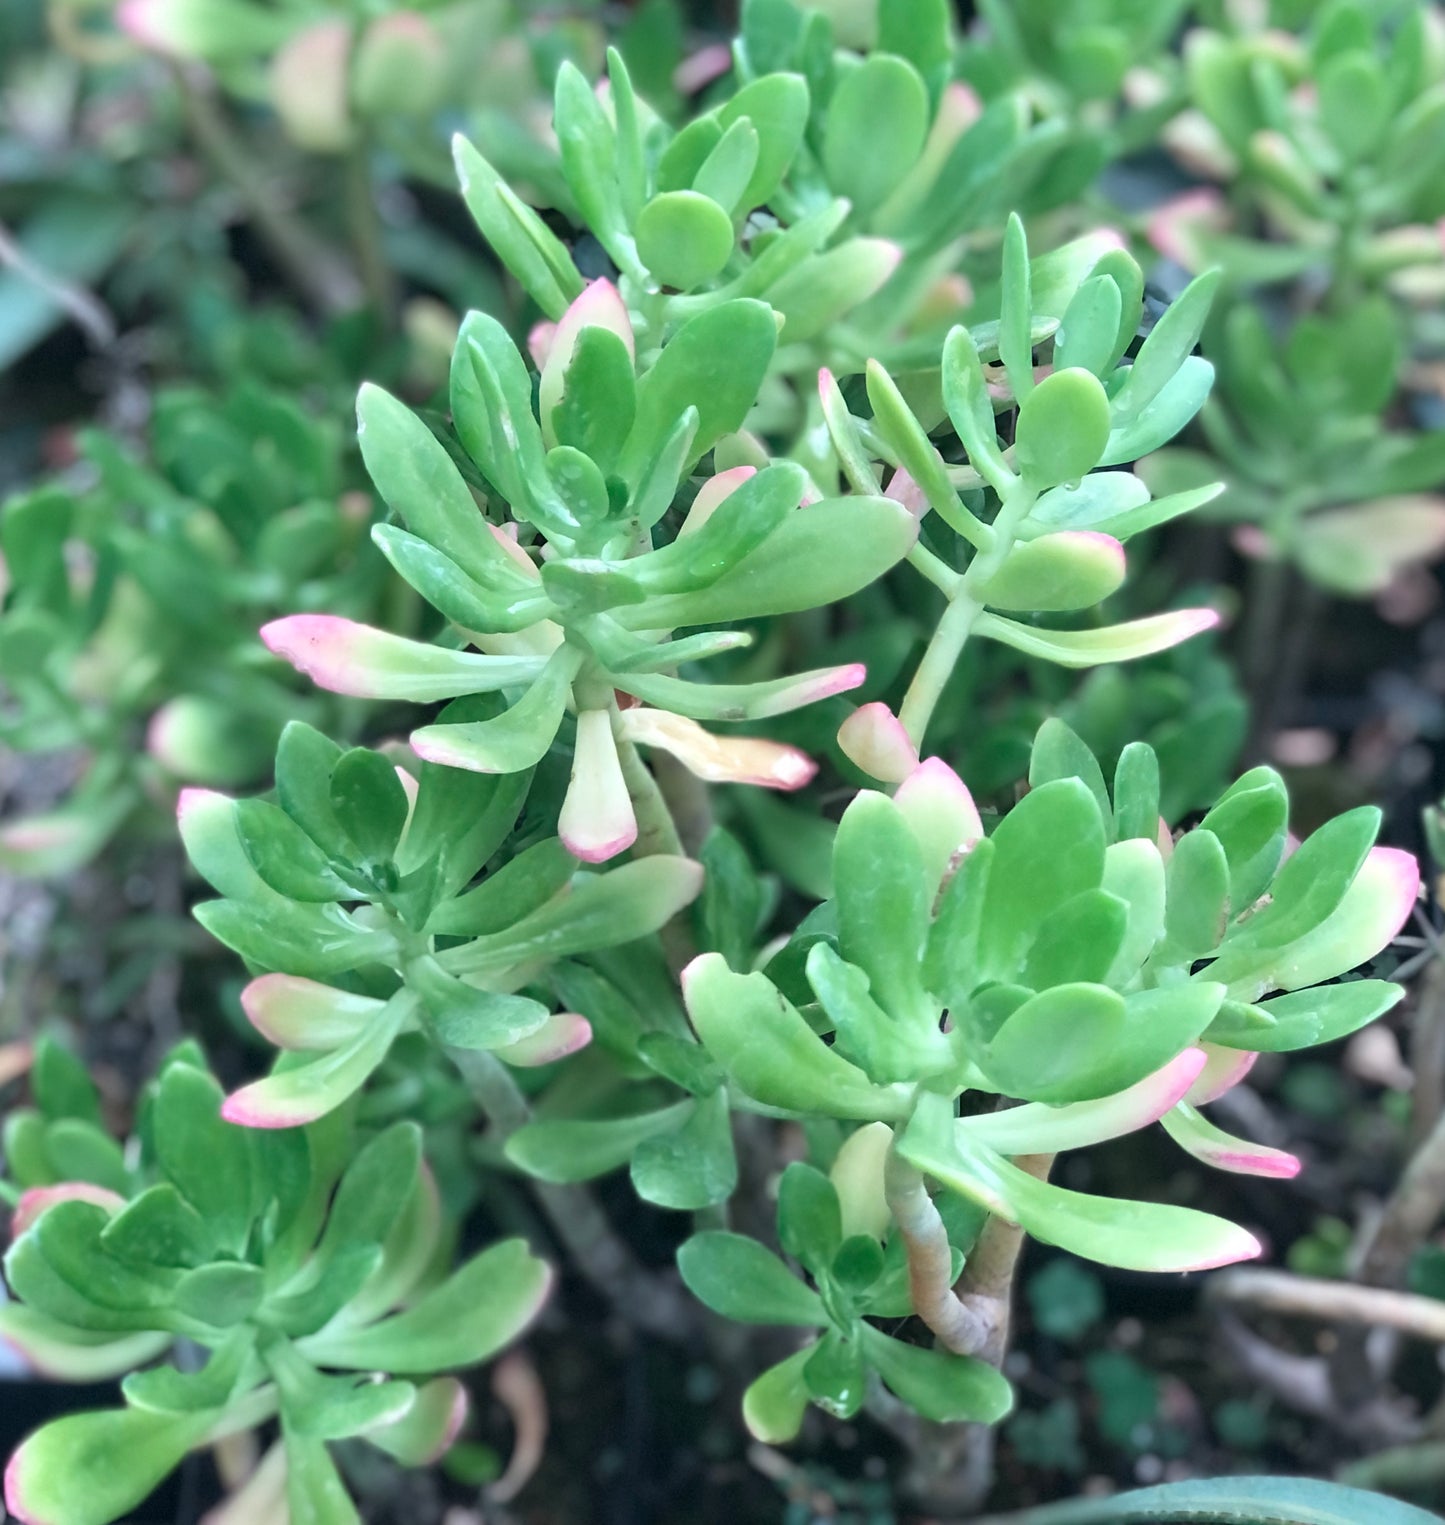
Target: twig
(960, 1327)
(82, 307)
(1304, 1384)
(365, 226)
(1331, 1301)
(316, 270)
(647, 1301)
(1427, 1052)
(1410, 1213)
(1301, 1381)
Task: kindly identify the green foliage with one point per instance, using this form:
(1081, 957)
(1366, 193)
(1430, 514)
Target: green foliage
(128, 633)
(796, 320)
(1330, 134)
(295, 1260)
(1079, 973)
(736, 1277)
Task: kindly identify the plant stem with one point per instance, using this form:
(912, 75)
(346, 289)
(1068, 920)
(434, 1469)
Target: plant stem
(656, 832)
(959, 1327)
(316, 270)
(1313, 1297)
(989, 1274)
(1427, 1052)
(365, 225)
(952, 1466)
(944, 649)
(643, 1299)
(964, 607)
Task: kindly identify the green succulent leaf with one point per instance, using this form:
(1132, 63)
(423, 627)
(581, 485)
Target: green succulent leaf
(1141, 1236)
(684, 238)
(1063, 428)
(715, 363)
(736, 1277)
(876, 123)
(464, 1321)
(775, 1403)
(91, 1469)
(769, 1051)
(692, 1166)
(810, 1222)
(943, 1387)
(580, 1149)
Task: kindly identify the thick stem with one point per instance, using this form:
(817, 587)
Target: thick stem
(644, 1300)
(988, 1275)
(316, 271)
(959, 1327)
(952, 1467)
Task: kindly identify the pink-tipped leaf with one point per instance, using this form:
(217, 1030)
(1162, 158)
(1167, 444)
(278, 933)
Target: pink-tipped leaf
(298, 1095)
(297, 1013)
(1137, 1236)
(719, 759)
(1194, 1133)
(1223, 1069)
(563, 1033)
(348, 658)
(1036, 1128)
(940, 813)
(597, 820)
(873, 739)
(712, 495)
(34, 1202)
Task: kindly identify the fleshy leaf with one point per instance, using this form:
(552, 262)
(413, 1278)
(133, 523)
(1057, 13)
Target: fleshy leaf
(938, 1384)
(1194, 1133)
(348, 658)
(1038, 1128)
(291, 1097)
(91, 1469)
(1139, 1236)
(1106, 643)
(736, 1277)
(467, 1319)
(769, 1050)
